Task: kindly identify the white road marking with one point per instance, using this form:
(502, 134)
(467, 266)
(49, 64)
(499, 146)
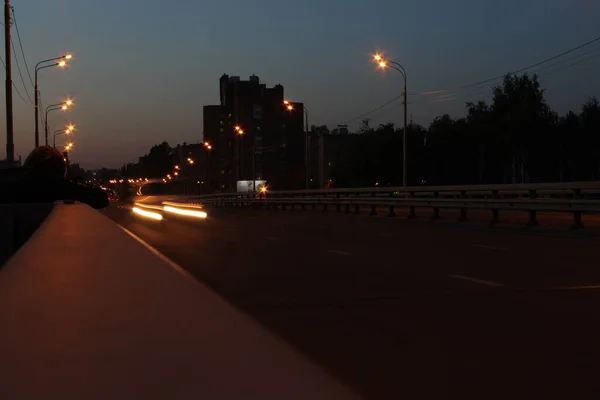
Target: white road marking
(481, 246)
(160, 255)
(582, 287)
(341, 253)
(477, 280)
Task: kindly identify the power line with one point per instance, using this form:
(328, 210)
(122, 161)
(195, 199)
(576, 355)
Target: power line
(21, 45)
(549, 72)
(371, 112)
(20, 73)
(571, 65)
(15, 86)
(473, 85)
(513, 72)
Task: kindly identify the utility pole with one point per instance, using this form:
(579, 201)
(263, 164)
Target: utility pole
(10, 146)
(404, 134)
(321, 161)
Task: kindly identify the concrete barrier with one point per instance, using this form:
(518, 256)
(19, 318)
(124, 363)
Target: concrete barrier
(87, 311)
(17, 224)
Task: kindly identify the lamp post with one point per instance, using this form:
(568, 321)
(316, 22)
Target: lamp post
(288, 105)
(208, 148)
(69, 129)
(240, 132)
(54, 107)
(60, 63)
(385, 63)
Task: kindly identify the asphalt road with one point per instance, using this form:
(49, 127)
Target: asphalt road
(406, 309)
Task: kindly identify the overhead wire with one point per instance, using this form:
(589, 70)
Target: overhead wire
(21, 46)
(15, 86)
(547, 60)
(13, 83)
(20, 73)
(477, 85)
(550, 69)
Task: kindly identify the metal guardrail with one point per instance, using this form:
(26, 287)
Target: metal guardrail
(573, 197)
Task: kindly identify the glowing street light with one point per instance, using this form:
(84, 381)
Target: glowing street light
(384, 63)
(64, 106)
(60, 62)
(67, 131)
(290, 107)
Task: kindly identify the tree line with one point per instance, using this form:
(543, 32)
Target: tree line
(517, 138)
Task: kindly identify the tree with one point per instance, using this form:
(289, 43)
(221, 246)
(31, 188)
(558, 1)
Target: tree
(76, 172)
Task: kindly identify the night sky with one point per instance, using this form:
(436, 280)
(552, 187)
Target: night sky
(143, 69)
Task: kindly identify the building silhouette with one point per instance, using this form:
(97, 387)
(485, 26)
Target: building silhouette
(271, 147)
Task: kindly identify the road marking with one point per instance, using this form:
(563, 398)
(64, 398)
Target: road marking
(481, 246)
(341, 253)
(582, 287)
(160, 255)
(477, 280)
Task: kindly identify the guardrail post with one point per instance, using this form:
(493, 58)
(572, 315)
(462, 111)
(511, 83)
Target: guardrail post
(373, 206)
(495, 211)
(463, 210)
(337, 204)
(532, 213)
(412, 212)
(436, 210)
(577, 222)
(391, 212)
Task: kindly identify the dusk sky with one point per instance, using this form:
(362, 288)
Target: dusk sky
(143, 69)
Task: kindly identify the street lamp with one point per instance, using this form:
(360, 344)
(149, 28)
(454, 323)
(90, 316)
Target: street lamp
(384, 63)
(55, 107)
(240, 132)
(288, 105)
(68, 130)
(67, 147)
(60, 62)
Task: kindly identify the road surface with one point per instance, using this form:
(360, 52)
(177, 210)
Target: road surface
(406, 309)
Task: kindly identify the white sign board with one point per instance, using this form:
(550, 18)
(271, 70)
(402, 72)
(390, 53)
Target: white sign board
(246, 186)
